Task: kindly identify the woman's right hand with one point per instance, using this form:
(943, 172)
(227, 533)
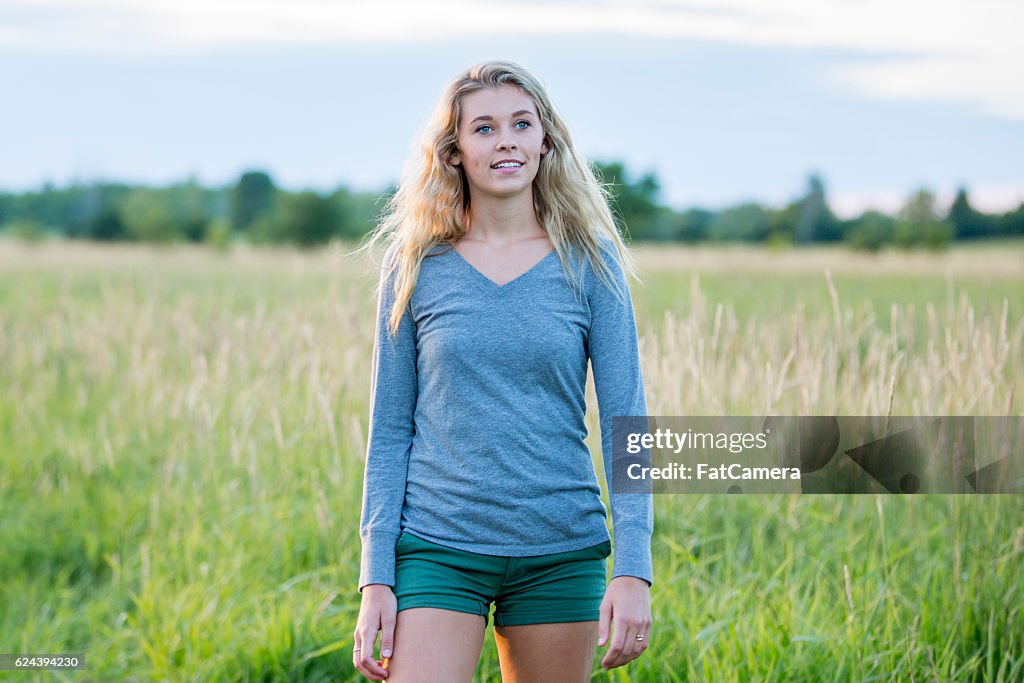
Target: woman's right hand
(377, 612)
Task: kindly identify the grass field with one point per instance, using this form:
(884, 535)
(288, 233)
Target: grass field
(181, 436)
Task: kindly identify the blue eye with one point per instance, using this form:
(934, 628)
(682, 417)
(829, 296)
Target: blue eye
(480, 128)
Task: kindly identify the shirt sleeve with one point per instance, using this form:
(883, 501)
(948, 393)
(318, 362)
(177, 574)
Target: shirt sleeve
(618, 380)
(393, 390)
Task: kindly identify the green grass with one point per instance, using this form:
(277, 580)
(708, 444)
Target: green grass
(180, 475)
(759, 295)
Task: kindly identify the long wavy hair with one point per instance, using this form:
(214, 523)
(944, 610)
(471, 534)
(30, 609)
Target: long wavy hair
(431, 204)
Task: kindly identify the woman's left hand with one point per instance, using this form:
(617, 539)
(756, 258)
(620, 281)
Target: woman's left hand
(627, 603)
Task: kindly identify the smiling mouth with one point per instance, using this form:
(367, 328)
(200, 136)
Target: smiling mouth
(507, 164)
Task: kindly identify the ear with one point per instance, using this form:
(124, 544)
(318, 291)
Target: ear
(455, 159)
(543, 148)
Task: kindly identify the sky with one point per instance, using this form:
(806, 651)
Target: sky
(726, 101)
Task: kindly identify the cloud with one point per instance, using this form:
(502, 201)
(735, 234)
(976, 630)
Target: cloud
(910, 49)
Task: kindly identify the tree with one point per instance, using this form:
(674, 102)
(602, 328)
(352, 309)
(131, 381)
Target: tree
(358, 212)
(967, 223)
(252, 198)
(1011, 222)
(634, 204)
(781, 224)
(814, 220)
(94, 212)
(308, 220)
(920, 223)
(870, 231)
(188, 205)
(149, 217)
(106, 226)
(747, 223)
(28, 230)
(693, 225)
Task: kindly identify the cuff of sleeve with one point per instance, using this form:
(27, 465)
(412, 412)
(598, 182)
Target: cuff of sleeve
(377, 564)
(633, 553)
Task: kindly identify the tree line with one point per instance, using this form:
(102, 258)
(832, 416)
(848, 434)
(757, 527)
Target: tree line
(257, 210)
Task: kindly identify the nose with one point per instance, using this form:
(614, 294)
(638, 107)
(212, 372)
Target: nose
(506, 142)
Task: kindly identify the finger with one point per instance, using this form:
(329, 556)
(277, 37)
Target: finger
(634, 647)
(370, 667)
(646, 642)
(359, 664)
(367, 664)
(630, 645)
(357, 648)
(603, 623)
(387, 636)
(613, 657)
(638, 646)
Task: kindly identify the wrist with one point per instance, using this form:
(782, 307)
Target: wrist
(625, 578)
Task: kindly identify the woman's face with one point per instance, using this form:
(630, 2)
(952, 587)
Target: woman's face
(499, 125)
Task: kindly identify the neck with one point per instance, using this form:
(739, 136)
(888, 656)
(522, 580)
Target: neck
(502, 220)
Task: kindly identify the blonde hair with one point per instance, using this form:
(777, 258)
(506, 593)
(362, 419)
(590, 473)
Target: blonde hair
(431, 204)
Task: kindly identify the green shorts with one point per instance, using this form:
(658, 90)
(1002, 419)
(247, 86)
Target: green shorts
(538, 589)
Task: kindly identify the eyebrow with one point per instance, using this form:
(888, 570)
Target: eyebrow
(487, 117)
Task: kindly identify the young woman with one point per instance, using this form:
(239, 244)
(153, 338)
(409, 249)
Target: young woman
(504, 275)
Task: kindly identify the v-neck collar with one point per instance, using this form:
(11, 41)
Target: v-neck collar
(490, 285)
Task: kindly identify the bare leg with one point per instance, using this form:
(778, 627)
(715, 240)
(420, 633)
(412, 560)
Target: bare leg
(436, 646)
(546, 652)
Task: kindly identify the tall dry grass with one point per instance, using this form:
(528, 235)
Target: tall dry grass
(945, 360)
(181, 443)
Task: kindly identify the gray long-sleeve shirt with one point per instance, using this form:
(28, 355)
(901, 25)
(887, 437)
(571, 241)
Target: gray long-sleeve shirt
(476, 436)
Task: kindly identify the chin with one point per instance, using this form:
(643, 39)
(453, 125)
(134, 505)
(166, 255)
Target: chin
(506, 192)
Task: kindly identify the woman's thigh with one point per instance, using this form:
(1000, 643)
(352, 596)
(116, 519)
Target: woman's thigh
(436, 646)
(546, 652)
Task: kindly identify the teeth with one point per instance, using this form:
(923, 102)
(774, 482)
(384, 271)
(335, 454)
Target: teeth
(507, 164)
